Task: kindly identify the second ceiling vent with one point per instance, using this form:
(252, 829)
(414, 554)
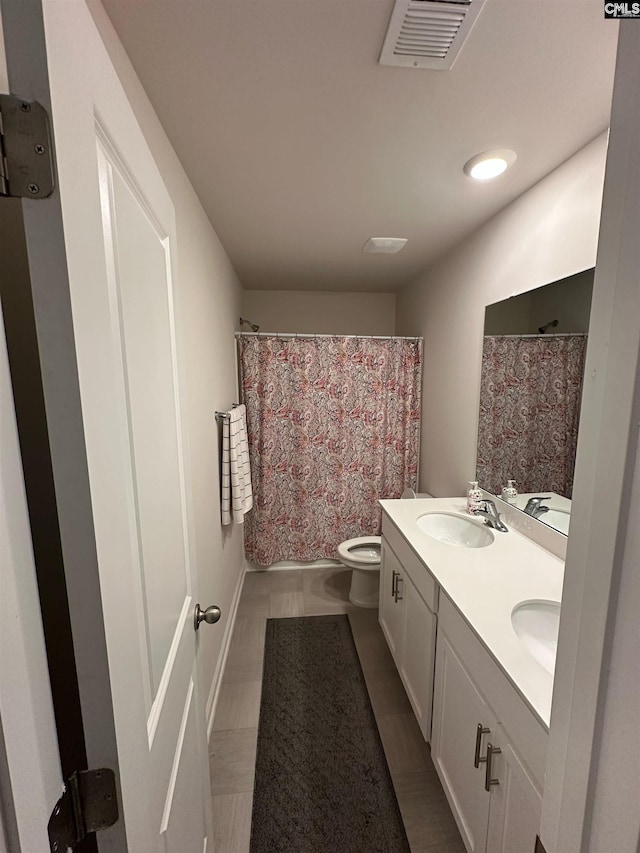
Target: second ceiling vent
(428, 33)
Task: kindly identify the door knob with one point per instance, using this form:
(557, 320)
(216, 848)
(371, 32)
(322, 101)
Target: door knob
(210, 615)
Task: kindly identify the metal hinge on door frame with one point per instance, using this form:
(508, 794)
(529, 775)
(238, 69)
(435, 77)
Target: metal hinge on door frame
(88, 804)
(26, 164)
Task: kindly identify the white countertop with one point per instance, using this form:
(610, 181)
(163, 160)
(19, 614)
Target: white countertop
(485, 584)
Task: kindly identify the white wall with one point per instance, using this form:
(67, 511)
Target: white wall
(209, 305)
(308, 312)
(550, 232)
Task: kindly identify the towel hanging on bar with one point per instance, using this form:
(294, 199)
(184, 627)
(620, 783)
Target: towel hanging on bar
(237, 495)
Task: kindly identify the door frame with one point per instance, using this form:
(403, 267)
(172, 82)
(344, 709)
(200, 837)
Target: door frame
(607, 446)
(40, 333)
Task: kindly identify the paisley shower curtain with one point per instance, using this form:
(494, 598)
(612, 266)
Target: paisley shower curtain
(334, 425)
(530, 395)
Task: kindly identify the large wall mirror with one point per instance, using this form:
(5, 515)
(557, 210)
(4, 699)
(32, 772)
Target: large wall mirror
(531, 389)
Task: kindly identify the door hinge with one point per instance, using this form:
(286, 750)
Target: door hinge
(88, 804)
(26, 161)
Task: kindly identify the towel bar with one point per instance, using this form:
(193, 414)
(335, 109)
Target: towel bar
(225, 415)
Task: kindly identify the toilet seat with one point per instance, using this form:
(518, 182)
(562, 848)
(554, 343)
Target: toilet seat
(363, 552)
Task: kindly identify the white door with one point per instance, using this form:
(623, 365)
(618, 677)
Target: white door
(391, 613)
(120, 242)
(418, 654)
(516, 802)
(458, 709)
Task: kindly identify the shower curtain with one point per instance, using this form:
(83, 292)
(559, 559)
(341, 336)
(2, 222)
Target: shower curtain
(530, 395)
(333, 425)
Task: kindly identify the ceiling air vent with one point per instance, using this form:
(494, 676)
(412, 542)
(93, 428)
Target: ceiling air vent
(428, 33)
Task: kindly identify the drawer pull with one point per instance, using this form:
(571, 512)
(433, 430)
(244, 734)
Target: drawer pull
(488, 781)
(481, 730)
(398, 597)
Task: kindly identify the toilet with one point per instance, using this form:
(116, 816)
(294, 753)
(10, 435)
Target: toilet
(363, 555)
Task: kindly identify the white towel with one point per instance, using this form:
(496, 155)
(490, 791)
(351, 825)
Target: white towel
(237, 496)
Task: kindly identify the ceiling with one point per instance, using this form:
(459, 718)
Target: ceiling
(301, 146)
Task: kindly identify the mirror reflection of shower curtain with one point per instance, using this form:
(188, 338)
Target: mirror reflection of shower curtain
(530, 394)
(334, 425)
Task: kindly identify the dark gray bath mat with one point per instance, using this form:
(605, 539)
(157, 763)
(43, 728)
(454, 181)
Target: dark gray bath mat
(322, 781)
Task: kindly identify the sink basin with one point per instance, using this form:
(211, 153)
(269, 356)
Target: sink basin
(455, 530)
(536, 624)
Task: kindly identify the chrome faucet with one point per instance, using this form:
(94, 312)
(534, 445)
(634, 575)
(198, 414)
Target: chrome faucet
(534, 506)
(491, 516)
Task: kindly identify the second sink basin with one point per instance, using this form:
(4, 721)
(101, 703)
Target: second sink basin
(536, 623)
(455, 530)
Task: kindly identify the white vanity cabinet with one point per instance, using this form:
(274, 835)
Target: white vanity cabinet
(391, 607)
(495, 798)
(408, 605)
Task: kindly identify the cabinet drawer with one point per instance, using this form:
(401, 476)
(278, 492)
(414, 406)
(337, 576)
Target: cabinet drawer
(411, 564)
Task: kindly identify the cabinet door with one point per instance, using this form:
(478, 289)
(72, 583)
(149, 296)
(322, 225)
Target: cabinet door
(458, 709)
(418, 654)
(516, 802)
(391, 613)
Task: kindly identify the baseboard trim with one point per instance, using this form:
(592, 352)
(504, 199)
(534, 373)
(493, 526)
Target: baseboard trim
(214, 691)
(293, 565)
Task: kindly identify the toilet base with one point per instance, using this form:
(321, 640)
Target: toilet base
(365, 587)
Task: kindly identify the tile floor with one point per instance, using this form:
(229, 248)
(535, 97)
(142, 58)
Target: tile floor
(428, 820)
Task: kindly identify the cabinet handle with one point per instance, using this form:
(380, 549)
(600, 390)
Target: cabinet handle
(398, 597)
(481, 730)
(488, 781)
(394, 577)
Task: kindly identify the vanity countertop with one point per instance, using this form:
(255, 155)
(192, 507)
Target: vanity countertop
(485, 584)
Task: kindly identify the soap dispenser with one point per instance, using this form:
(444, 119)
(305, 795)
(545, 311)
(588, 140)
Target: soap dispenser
(474, 498)
(510, 493)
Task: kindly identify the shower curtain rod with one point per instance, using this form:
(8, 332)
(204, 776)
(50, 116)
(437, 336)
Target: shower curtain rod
(552, 335)
(296, 335)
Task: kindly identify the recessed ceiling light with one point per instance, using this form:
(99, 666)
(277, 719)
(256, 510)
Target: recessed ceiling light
(384, 245)
(490, 164)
